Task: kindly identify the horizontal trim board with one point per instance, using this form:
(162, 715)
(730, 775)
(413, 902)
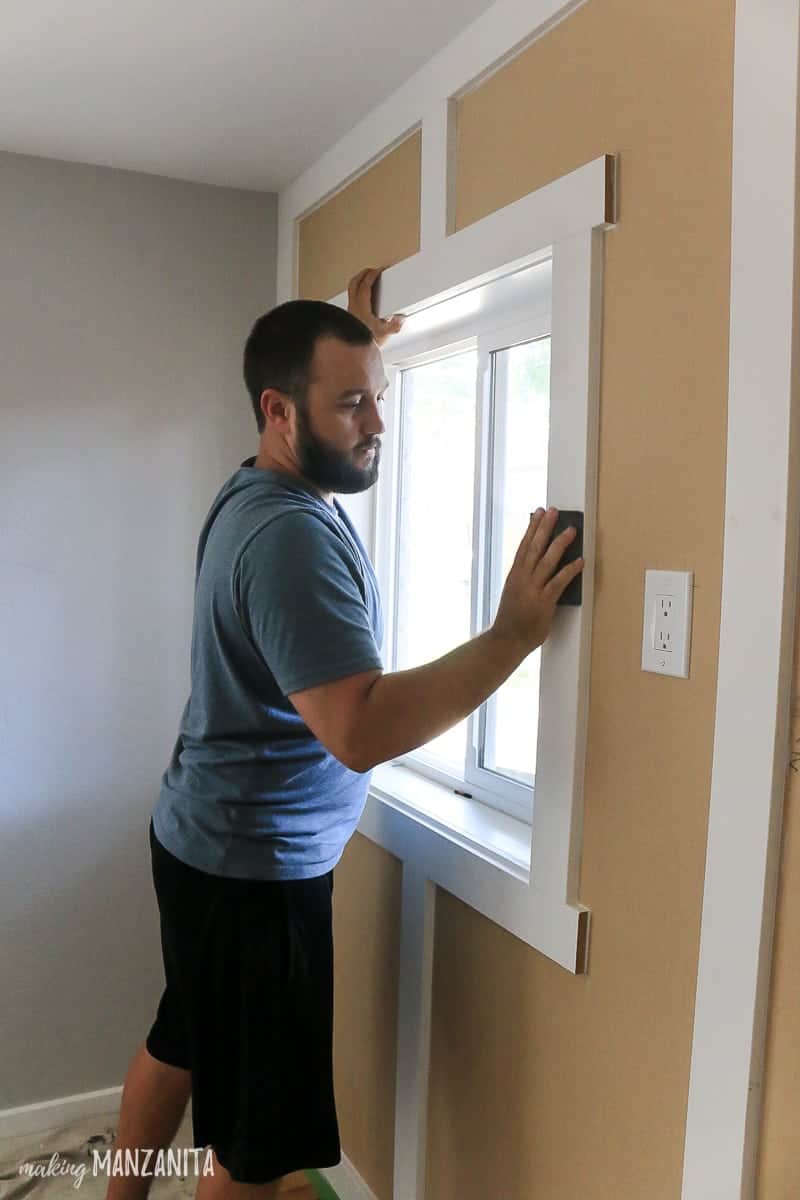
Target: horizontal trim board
(495, 836)
(558, 930)
(516, 236)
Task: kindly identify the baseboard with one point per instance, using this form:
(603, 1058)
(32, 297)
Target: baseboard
(51, 1114)
(346, 1181)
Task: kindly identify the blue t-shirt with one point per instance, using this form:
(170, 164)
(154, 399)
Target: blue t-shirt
(285, 599)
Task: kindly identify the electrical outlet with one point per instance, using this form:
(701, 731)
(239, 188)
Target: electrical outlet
(667, 630)
(664, 625)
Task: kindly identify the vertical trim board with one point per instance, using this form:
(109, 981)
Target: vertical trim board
(759, 582)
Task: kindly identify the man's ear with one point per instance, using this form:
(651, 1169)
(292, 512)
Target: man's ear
(276, 407)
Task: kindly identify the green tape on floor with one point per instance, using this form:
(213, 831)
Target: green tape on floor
(321, 1186)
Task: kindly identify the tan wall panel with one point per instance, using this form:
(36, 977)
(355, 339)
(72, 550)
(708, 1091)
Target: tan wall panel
(542, 1084)
(374, 221)
(367, 891)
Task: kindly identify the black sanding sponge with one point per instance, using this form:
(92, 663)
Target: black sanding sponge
(573, 593)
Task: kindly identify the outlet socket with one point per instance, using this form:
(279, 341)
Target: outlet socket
(664, 626)
(666, 637)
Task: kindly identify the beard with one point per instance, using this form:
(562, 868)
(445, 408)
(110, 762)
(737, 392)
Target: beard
(330, 469)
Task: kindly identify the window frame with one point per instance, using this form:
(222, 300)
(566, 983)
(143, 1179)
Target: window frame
(488, 333)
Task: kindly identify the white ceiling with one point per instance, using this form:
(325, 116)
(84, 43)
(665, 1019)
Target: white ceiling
(236, 92)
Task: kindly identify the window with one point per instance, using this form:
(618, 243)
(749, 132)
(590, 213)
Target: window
(467, 452)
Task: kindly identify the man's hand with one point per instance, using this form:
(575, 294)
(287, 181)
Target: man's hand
(360, 302)
(532, 588)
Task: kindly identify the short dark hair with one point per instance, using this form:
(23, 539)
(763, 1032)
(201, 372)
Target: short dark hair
(279, 350)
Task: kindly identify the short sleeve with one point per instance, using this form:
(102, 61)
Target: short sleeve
(297, 595)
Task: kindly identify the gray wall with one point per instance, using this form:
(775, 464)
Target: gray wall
(125, 301)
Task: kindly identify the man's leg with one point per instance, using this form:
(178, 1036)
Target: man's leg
(154, 1100)
(220, 1186)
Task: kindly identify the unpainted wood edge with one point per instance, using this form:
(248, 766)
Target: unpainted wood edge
(612, 189)
(582, 947)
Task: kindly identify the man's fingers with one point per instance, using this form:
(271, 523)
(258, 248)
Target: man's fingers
(359, 280)
(394, 323)
(549, 560)
(356, 280)
(560, 582)
(361, 300)
(537, 545)
(527, 537)
(366, 278)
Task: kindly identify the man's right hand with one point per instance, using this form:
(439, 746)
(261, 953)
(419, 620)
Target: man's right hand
(532, 589)
(370, 718)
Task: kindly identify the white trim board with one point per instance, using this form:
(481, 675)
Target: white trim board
(568, 207)
(759, 605)
(52, 1114)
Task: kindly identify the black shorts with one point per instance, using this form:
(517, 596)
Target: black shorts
(248, 1009)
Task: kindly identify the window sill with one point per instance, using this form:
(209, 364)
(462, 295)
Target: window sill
(492, 835)
(477, 854)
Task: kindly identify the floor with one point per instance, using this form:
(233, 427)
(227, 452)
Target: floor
(66, 1155)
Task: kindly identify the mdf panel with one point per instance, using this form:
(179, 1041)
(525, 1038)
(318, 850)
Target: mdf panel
(367, 887)
(543, 1084)
(374, 221)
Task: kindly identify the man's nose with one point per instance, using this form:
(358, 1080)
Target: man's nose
(374, 424)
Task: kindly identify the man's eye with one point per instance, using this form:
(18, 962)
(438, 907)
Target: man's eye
(357, 403)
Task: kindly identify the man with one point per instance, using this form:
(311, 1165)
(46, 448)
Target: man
(289, 711)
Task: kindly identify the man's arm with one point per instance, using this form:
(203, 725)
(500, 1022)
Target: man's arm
(371, 717)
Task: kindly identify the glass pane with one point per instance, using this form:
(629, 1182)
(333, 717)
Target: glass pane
(437, 482)
(521, 377)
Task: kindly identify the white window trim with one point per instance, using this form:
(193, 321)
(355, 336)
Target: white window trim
(725, 1092)
(564, 222)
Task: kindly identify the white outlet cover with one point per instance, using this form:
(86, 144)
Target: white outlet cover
(678, 586)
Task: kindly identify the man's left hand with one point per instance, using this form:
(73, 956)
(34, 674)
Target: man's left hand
(361, 304)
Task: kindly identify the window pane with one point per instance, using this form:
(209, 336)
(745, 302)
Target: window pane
(437, 484)
(521, 377)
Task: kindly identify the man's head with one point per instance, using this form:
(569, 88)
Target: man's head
(316, 380)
